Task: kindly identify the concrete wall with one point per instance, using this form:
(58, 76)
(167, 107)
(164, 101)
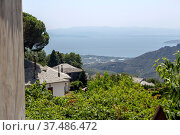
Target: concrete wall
(12, 97)
(58, 88)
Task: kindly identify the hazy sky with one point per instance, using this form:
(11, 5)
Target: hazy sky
(114, 13)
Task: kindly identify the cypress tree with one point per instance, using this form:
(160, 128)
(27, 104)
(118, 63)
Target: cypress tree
(53, 59)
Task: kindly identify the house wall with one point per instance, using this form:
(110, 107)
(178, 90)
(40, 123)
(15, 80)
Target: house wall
(12, 95)
(59, 88)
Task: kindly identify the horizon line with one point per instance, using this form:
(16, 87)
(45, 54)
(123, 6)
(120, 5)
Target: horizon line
(140, 27)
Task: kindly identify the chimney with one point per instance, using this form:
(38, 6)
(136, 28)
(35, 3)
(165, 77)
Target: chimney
(62, 68)
(35, 70)
(58, 72)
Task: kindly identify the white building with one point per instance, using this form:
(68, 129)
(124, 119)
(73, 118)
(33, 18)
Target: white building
(57, 81)
(142, 81)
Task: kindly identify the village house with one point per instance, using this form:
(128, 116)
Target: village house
(142, 81)
(56, 81)
(73, 72)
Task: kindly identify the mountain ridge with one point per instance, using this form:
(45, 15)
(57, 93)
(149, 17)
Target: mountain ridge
(141, 66)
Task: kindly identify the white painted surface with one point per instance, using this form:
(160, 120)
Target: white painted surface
(59, 88)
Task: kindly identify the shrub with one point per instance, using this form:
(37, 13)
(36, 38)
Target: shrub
(105, 99)
(170, 73)
(76, 85)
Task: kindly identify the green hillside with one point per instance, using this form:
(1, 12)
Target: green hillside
(141, 65)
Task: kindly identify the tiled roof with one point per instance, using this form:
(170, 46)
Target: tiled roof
(67, 68)
(51, 76)
(43, 74)
(138, 80)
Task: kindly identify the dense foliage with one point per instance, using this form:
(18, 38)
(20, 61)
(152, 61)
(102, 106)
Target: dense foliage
(40, 56)
(76, 85)
(35, 35)
(93, 71)
(107, 97)
(55, 58)
(73, 59)
(53, 61)
(170, 73)
(83, 78)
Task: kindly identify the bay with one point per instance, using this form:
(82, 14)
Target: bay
(105, 41)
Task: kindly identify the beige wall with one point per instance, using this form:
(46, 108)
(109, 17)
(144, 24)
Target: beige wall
(58, 88)
(12, 97)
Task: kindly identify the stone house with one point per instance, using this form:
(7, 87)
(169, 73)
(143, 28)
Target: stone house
(72, 71)
(57, 81)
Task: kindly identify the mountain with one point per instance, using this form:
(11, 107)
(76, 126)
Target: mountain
(141, 65)
(172, 42)
(91, 59)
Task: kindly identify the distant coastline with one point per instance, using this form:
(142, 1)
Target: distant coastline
(107, 41)
(172, 42)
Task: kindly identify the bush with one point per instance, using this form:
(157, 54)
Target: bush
(170, 73)
(105, 99)
(153, 80)
(76, 85)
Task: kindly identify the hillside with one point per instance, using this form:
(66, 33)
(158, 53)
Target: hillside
(141, 65)
(92, 59)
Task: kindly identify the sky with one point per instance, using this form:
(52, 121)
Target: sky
(112, 13)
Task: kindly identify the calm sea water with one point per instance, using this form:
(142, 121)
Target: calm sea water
(108, 43)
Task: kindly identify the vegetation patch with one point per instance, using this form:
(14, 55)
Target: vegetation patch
(107, 98)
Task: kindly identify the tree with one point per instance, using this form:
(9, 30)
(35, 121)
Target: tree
(35, 35)
(170, 73)
(40, 56)
(53, 59)
(28, 55)
(60, 57)
(83, 78)
(76, 85)
(73, 59)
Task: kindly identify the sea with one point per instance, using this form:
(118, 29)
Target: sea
(107, 41)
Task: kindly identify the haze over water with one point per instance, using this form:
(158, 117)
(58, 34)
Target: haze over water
(108, 41)
(136, 25)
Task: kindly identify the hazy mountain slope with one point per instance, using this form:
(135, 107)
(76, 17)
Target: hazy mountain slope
(141, 65)
(91, 59)
(146, 61)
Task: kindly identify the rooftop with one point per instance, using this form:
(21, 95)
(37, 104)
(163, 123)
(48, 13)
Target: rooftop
(142, 81)
(138, 80)
(67, 68)
(43, 74)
